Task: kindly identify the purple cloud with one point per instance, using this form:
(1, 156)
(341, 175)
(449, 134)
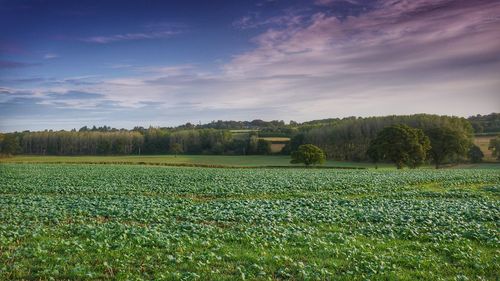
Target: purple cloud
(395, 57)
(397, 35)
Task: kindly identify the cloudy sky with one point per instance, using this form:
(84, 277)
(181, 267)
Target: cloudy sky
(66, 64)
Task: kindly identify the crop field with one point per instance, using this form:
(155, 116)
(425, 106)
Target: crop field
(132, 222)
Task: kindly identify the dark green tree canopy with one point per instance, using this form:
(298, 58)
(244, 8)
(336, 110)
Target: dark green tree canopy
(263, 147)
(308, 154)
(346, 139)
(447, 143)
(9, 144)
(475, 154)
(176, 148)
(400, 144)
(495, 147)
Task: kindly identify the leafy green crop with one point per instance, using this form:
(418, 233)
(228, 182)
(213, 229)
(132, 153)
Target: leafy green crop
(157, 223)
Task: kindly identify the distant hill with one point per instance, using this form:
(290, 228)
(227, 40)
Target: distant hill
(484, 124)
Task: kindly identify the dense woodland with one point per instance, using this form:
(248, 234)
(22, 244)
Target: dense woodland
(486, 123)
(341, 139)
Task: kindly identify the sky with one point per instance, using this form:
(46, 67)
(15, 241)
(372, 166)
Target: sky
(67, 64)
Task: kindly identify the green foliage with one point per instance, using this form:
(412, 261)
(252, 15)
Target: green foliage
(156, 141)
(475, 154)
(308, 154)
(486, 123)
(105, 222)
(9, 144)
(348, 139)
(263, 147)
(85, 142)
(176, 148)
(495, 147)
(344, 139)
(400, 144)
(447, 143)
(253, 144)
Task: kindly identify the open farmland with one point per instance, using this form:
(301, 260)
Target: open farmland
(158, 223)
(187, 160)
(484, 142)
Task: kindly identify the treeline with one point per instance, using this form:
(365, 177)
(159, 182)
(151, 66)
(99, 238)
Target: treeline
(341, 139)
(138, 141)
(486, 123)
(349, 139)
(80, 143)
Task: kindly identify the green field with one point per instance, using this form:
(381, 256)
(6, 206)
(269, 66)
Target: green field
(208, 160)
(253, 161)
(133, 222)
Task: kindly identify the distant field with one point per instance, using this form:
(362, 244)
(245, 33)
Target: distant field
(483, 142)
(277, 143)
(209, 160)
(276, 139)
(251, 161)
(132, 222)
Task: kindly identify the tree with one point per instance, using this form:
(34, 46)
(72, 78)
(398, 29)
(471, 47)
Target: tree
(403, 145)
(253, 141)
(374, 153)
(263, 147)
(348, 139)
(309, 155)
(447, 143)
(176, 148)
(475, 154)
(9, 144)
(495, 147)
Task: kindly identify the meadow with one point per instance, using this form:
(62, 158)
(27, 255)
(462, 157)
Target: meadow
(218, 161)
(180, 160)
(138, 222)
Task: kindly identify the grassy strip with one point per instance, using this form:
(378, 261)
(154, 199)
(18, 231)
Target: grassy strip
(185, 165)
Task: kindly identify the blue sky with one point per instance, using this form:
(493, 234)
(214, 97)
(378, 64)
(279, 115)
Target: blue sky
(66, 64)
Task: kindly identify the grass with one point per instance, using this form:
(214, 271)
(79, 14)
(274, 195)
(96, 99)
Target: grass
(275, 139)
(202, 160)
(218, 161)
(132, 222)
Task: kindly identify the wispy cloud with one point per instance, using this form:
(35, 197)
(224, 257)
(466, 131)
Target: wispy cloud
(331, 2)
(130, 37)
(398, 57)
(120, 66)
(398, 35)
(290, 17)
(50, 56)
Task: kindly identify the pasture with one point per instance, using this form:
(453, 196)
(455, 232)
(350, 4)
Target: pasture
(188, 160)
(219, 161)
(133, 222)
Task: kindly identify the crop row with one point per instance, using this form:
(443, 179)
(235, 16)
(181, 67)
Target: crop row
(154, 223)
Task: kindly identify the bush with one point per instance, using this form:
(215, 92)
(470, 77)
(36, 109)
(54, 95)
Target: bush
(308, 154)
